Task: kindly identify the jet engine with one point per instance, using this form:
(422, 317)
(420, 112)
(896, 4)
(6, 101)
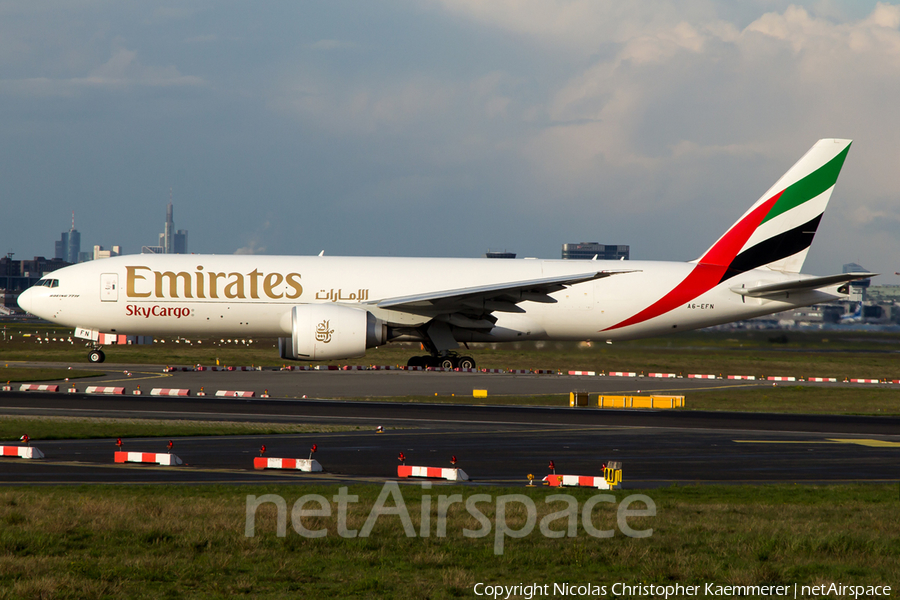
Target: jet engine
(331, 331)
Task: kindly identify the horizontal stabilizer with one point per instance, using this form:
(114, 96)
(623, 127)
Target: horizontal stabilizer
(800, 285)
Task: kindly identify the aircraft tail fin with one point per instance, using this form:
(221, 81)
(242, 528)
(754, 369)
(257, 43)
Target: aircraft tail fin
(778, 229)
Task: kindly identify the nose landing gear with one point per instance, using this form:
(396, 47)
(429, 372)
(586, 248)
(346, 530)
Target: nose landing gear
(96, 355)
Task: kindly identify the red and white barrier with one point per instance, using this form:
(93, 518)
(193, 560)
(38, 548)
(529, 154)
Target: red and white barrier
(235, 394)
(385, 368)
(308, 465)
(781, 378)
(296, 368)
(243, 368)
(33, 387)
(662, 375)
(588, 373)
(174, 369)
(170, 392)
(98, 389)
(6, 388)
(620, 374)
(865, 381)
(413, 368)
(21, 451)
(544, 372)
(700, 376)
(519, 371)
(744, 377)
(578, 481)
(493, 371)
(326, 368)
(432, 473)
(164, 459)
(468, 370)
(354, 368)
(822, 379)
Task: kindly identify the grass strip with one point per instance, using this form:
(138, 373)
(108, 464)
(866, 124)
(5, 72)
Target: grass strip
(775, 399)
(173, 541)
(852, 354)
(12, 427)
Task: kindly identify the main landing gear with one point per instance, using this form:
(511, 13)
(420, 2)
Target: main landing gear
(96, 356)
(439, 341)
(447, 361)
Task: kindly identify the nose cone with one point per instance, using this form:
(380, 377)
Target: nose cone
(25, 299)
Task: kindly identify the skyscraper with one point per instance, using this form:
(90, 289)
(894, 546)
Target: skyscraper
(61, 247)
(166, 238)
(171, 241)
(180, 242)
(69, 245)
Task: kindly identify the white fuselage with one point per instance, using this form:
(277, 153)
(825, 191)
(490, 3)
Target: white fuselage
(253, 295)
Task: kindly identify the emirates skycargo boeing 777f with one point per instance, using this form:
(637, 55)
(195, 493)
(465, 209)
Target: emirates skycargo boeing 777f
(323, 307)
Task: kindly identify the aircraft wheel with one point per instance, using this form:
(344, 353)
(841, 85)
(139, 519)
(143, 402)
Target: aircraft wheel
(447, 363)
(96, 356)
(466, 362)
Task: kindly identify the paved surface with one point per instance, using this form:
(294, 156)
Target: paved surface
(494, 444)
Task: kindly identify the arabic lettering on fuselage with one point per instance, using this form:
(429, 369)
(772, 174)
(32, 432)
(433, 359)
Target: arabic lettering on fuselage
(331, 296)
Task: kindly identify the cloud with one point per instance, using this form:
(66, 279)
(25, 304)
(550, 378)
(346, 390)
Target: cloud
(122, 70)
(254, 245)
(537, 122)
(252, 248)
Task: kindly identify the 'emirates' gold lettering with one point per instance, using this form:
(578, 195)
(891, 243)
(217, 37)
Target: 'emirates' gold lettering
(143, 282)
(132, 278)
(272, 280)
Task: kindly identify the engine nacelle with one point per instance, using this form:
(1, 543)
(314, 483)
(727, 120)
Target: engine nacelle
(331, 331)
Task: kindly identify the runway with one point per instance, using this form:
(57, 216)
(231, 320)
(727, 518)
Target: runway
(494, 444)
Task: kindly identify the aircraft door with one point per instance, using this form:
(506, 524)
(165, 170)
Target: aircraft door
(109, 287)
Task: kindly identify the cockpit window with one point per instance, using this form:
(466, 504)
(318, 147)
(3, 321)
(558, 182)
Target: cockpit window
(50, 283)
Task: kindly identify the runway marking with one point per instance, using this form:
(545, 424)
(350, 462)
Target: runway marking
(859, 442)
(869, 443)
(675, 390)
(149, 376)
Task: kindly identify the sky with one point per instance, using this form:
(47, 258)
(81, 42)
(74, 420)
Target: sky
(443, 127)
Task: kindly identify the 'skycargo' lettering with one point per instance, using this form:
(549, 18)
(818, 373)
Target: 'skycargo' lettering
(133, 310)
(144, 282)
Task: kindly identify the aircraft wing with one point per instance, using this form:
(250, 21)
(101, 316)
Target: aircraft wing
(800, 285)
(501, 297)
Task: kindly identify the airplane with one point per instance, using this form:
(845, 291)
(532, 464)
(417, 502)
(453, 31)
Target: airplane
(855, 316)
(332, 307)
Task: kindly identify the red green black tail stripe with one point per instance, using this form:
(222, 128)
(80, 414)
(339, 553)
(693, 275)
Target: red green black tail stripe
(723, 261)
